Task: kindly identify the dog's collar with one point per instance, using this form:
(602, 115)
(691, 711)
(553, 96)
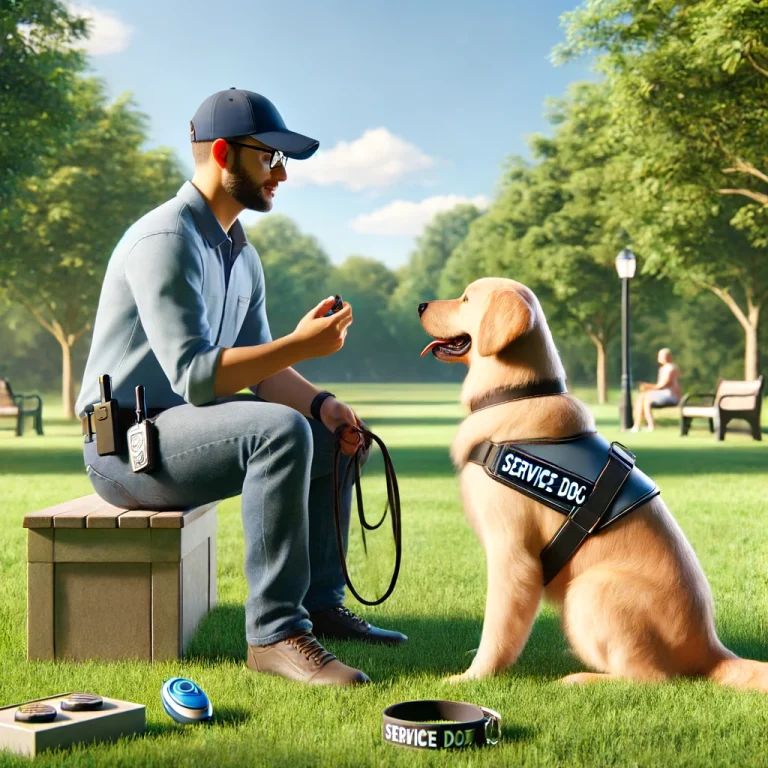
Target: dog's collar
(508, 394)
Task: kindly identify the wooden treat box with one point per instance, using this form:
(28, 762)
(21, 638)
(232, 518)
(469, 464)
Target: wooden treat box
(115, 719)
(108, 583)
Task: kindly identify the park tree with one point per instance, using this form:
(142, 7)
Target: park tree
(296, 271)
(72, 213)
(489, 236)
(38, 69)
(420, 280)
(369, 350)
(554, 228)
(433, 248)
(689, 88)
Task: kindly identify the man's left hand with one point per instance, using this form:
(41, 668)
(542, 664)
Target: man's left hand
(335, 414)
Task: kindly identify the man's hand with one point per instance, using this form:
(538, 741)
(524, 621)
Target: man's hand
(334, 414)
(321, 336)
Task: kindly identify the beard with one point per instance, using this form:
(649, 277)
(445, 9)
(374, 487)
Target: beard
(245, 190)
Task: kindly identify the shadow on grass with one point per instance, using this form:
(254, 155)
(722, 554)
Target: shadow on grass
(682, 460)
(701, 460)
(744, 646)
(404, 402)
(436, 646)
(439, 646)
(419, 461)
(414, 421)
(75, 424)
(53, 461)
(222, 716)
(677, 458)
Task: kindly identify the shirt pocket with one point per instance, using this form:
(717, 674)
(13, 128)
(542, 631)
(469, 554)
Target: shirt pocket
(235, 316)
(241, 311)
(213, 307)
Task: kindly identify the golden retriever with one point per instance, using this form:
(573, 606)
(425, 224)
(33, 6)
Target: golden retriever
(634, 600)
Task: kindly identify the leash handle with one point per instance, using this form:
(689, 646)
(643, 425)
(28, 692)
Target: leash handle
(393, 504)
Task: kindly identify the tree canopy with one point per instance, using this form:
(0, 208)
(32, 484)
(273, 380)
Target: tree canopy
(37, 73)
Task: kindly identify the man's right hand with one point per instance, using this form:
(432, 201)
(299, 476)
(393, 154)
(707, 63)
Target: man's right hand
(321, 336)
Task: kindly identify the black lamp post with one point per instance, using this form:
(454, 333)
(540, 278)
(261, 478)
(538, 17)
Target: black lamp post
(625, 266)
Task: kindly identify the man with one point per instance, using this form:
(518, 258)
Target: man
(182, 311)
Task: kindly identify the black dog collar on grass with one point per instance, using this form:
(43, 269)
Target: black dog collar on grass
(411, 724)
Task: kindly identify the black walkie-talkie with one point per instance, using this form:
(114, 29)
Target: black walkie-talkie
(106, 419)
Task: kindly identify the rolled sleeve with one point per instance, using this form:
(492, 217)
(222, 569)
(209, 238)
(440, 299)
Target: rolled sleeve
(165, 274)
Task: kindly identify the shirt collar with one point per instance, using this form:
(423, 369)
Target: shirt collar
(209, 225)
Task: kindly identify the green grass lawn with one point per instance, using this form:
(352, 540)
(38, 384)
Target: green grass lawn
(717, 492)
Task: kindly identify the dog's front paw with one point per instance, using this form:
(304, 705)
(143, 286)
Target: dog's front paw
(465, 677)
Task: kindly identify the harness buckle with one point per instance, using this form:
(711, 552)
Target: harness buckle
(492, 726)
(622, 453)
(575, 511)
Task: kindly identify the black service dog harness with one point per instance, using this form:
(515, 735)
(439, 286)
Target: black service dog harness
(584, 477)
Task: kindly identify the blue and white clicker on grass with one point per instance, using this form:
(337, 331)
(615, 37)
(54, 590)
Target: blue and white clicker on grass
(185, 702)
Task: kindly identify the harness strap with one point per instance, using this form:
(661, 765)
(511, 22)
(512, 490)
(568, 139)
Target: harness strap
(584, 519)
(480, 452)
(525, 392)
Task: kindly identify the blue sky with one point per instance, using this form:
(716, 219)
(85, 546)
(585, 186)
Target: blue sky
(416, 105)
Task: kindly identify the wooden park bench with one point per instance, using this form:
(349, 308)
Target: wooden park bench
(730, 400)
(12, 405)
(108, 583)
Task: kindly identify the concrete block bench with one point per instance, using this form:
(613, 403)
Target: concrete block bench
(109, 583)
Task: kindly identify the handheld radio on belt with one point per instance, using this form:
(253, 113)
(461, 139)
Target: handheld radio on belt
(141, 436)
(106, 420)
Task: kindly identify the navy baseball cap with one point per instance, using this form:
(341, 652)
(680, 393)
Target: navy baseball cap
(232, 113)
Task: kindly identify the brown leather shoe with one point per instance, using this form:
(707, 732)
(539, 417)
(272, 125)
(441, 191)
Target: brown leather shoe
(302, 658)
(341, 624)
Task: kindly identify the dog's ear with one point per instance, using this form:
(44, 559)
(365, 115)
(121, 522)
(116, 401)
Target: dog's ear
(507, 317)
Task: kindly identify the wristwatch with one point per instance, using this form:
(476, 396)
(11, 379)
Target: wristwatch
(318, 400)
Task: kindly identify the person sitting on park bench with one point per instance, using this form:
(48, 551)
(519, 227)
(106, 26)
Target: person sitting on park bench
(665, 392)
(182, 312)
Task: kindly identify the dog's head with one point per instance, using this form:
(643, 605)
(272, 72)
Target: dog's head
(488, 318)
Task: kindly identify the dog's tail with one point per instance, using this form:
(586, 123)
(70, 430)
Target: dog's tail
(741, 673)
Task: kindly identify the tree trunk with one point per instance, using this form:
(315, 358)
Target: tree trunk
(601, 374)
(602, 379)
(67, 383)
(752, 350)
(749, 322)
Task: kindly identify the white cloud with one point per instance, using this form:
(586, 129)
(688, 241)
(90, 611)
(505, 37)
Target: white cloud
(403, 217)
(377, 159)
(107, 32)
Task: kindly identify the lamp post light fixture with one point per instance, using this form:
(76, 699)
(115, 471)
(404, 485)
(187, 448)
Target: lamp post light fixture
(625, 266)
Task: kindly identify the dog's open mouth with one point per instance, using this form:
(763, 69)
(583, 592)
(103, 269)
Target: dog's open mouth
(455, 347)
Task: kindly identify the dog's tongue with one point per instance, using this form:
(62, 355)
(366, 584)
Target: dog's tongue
(431, 344)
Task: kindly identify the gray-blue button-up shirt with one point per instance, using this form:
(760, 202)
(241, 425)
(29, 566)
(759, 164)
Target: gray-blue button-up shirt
(166, 311)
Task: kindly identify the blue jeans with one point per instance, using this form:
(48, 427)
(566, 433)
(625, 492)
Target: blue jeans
(282, 464)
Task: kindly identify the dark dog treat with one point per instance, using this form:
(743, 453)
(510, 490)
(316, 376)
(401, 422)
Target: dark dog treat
(82, 702)
(337, 305)
(35, 713)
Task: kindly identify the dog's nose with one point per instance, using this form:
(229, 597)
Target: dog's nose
(422, 307)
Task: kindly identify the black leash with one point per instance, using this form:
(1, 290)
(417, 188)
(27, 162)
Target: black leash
(393, 503)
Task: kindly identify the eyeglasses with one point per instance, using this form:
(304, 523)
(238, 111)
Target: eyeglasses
(276, 158)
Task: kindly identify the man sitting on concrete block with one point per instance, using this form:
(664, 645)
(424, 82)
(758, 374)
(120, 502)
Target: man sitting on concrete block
(182, 312)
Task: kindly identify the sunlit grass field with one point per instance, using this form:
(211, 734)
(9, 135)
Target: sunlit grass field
(717, 491)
